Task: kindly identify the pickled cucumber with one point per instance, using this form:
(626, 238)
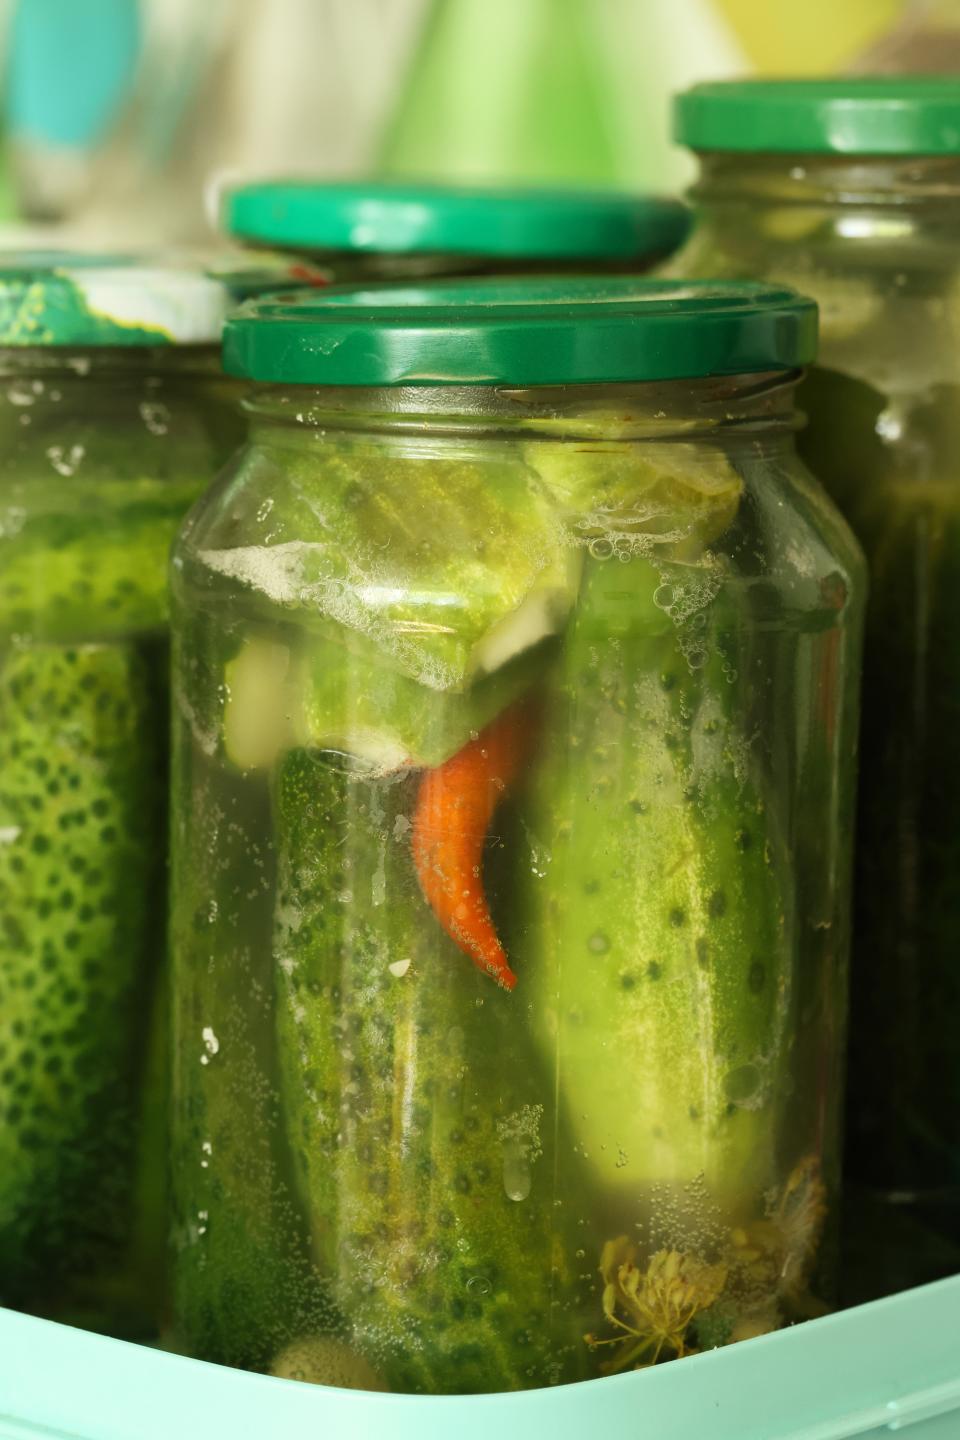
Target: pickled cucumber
(664, 907)
(244, 1287)
(81, 779)
(59, 581)
(420, 1124)
(341, 693)
(450, 567)
(95, 481)
(637, 496)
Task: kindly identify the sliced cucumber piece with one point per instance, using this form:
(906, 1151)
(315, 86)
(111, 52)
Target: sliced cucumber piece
(449, 565)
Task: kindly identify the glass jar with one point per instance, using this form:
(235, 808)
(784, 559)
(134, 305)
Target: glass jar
(850, 190)
(113, 416)
(391, 231)
(515, 667)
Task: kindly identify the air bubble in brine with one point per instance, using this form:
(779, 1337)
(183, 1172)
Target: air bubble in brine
(517, 1176)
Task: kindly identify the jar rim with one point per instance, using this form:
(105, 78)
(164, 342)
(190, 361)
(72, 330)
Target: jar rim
(391, 217)
(843, 115)
(521, 331)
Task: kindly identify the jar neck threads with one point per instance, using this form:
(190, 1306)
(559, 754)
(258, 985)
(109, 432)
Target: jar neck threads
(677, 409)
(728, 178)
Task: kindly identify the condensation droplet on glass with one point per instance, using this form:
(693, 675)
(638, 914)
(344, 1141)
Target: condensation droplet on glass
(889, 425)
(12, 521)
(65, 461)
(599, 943)
(155, 416)
(210, 1044)
(24, 392)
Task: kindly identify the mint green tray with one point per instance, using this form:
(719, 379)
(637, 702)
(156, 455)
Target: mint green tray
(880, 1369)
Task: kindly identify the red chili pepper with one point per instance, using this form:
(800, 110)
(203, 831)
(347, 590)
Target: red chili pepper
(455, 805)
(310, 275)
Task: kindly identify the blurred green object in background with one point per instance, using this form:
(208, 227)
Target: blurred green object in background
(578, 90)
(553, 90)
(509, 89)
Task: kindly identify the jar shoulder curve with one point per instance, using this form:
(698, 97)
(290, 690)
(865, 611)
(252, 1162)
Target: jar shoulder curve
(808, 549)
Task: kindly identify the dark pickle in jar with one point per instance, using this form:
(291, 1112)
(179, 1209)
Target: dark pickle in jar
(849, 190)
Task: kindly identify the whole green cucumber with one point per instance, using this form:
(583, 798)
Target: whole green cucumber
(421, 1125)
(666, 962)
(80, 793)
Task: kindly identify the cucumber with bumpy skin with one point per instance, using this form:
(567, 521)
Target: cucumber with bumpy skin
(419, 1123)
(59, 580)
(663, 905)
(80, 795)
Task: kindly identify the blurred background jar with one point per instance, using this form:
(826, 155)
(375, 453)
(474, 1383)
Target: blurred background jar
(114, 416)
(850, 191)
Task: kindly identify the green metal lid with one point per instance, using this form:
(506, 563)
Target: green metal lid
(521, 331)
(78, 299)
(532, 224)
(888, 115)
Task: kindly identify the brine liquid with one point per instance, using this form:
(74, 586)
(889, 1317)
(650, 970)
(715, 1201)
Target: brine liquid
(392, 1173)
